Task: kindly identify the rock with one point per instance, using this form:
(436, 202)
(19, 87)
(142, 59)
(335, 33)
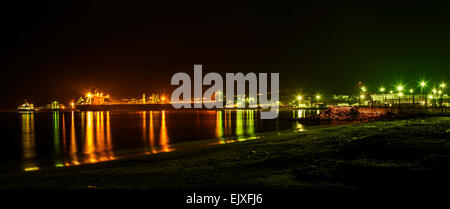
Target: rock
(344, 113)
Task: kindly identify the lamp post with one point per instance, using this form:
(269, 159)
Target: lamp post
(441, 92)
(384, 95)
(299, 98)
(434, 102)
(400, 94)
(317, 99)
(430, 97)
(390, 93)
(422, 85)
(412, 92)
(363, 90)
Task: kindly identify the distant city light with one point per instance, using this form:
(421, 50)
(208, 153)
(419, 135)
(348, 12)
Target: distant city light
(400, 90)
(31, 169)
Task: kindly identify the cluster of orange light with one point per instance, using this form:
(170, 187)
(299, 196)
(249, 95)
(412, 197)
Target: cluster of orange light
(98, 94)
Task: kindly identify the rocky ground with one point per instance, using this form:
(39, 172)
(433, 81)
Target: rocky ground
(399, 154)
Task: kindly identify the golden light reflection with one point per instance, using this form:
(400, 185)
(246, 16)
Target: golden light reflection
(228, 122)
(97, 148)
(164, 137)
(28, 141)
(99, 133)
(151, 133)
(239, 123)
(109, 146)
(144, 124)
(89, 142)
(244, 125)
(83, 120)
(239, 140)
(250, 122)
(301, 114)
(73, 143)
(94, 142)
(219, 127)
(300, 127)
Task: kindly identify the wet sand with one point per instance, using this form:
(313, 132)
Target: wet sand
(399, 154)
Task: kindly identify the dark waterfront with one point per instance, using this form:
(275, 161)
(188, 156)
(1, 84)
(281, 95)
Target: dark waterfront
(35, 141)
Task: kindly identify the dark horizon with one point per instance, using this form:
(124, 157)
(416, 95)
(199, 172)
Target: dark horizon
(60, 50)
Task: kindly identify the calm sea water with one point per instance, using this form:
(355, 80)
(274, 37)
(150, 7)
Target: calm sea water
(34, 141)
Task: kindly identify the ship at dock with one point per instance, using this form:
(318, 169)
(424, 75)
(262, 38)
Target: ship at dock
(26, 107)
(98, 101)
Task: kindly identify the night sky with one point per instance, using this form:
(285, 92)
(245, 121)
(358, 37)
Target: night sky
(60, 50)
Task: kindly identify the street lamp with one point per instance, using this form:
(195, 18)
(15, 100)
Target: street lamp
(382, 89)
(400, 94)
(363, 90)
(299, 98)
(422, 85)
(442, 86)
(317, 99)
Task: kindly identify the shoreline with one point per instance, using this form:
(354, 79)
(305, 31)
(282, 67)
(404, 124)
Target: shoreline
(378, 154)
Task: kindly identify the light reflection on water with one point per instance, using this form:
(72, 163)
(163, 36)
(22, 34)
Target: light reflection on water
(91, 137)
(28, 141)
